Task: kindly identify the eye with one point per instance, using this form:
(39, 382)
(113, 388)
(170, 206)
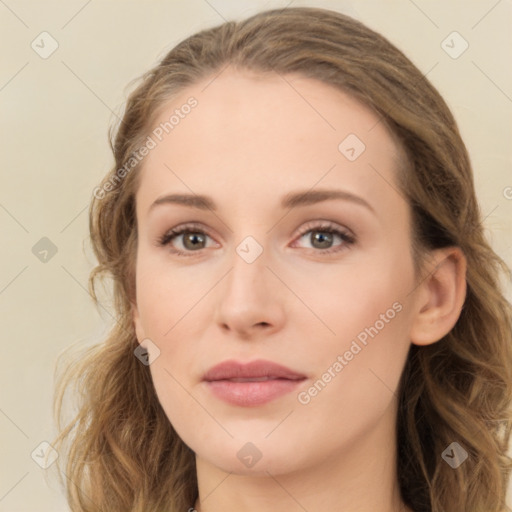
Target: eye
(193, 238)
(321, 236)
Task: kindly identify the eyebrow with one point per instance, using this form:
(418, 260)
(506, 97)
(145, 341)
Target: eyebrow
(290, 200)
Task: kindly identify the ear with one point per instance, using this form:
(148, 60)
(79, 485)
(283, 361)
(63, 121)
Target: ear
(440, 296)
(139, 331)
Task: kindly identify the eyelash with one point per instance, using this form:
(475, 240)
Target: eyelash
(325, 227)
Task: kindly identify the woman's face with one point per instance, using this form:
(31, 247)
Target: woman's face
(274, 270)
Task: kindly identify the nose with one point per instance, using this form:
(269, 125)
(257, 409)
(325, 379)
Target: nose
(251, 299)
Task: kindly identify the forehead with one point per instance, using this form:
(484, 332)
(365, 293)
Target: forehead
(250, 133)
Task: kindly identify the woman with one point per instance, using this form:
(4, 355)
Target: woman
(369, 369)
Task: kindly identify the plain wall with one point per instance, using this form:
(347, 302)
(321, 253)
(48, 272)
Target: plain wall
(54, 118)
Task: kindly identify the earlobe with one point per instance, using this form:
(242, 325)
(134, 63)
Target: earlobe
(440, 297)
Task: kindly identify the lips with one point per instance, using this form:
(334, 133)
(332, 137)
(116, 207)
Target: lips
(251, 384)
(255, 370)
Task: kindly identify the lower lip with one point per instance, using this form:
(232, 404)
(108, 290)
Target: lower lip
(250, 394)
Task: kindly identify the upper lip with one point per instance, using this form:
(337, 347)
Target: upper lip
(254, 369)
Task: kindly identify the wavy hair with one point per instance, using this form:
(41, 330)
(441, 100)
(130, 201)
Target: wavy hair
(122, 453)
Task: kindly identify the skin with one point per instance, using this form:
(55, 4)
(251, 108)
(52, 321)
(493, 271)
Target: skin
(251, 140)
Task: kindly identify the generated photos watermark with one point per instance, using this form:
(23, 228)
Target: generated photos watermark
(357, 345)
(151, 142)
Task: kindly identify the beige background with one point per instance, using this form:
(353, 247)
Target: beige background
(54, 116)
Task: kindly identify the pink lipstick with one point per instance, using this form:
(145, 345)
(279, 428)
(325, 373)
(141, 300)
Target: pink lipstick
(251, 384)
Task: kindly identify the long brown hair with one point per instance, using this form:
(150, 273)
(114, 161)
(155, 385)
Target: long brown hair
(123, 452)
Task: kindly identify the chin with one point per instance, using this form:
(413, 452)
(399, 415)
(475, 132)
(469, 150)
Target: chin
(258, 458)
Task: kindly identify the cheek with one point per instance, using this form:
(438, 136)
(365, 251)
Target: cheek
(166, 294)
(368, 313)
(357, 377)
(361, 297)
(168, 304)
